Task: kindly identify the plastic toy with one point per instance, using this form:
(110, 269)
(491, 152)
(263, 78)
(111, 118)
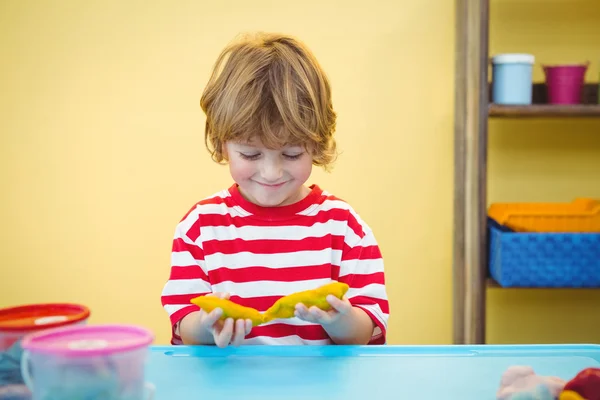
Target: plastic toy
(522, 383)
(586, 384)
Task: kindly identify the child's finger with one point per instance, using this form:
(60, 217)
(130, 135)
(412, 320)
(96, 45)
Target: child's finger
(302, 313)
(341, 306)
(213, 316)
(220, 295)
(223, 337)
(303, 316)
(238, 332)
(248, 326)
(319, 315)
(301, 307)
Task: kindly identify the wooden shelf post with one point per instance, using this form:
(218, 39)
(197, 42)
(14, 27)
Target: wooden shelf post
(470, 160)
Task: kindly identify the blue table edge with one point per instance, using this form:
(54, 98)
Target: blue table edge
(587, 350)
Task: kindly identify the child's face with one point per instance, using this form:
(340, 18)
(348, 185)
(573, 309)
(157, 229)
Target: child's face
(266, 177)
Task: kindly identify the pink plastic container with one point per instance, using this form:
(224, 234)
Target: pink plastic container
(102, 361)
(565, 82)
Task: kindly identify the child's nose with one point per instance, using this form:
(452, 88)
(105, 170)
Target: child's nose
(272, 171)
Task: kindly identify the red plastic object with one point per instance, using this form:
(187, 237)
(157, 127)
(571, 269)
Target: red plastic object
(586, 383)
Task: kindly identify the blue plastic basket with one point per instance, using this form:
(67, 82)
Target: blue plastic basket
(543, 259)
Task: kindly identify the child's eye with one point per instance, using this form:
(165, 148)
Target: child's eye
(293, 156)
(250, 156)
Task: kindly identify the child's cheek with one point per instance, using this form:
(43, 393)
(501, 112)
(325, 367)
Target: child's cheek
(242, 170)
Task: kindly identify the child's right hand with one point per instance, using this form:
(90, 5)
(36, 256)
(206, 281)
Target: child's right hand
(225, 332)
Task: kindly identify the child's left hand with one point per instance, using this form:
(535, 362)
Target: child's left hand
(339, 308)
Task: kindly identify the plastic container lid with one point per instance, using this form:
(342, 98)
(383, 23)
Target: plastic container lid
(513, 58)
(41, 316)
(86, 341)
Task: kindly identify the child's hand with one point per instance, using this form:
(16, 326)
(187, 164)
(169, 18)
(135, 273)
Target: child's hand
(339, 308)
(225, 332)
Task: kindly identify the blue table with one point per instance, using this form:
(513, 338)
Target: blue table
(352, 372)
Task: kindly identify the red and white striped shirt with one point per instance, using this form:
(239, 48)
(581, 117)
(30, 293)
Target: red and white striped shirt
(227, 244)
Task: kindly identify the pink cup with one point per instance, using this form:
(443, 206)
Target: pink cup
(565, 83)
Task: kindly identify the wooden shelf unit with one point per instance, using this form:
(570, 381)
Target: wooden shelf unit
(473, 109)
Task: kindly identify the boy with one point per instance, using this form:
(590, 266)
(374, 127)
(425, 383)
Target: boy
(269, 116)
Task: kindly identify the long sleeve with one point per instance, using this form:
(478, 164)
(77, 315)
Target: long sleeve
(362, 268)
(188, 277)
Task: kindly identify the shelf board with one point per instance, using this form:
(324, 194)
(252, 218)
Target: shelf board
(544, 111)
(539, 108)
(492, 284)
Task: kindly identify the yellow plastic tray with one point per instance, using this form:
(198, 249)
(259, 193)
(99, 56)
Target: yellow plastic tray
(581, 215)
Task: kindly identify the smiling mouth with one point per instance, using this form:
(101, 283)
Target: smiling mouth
(272, 185)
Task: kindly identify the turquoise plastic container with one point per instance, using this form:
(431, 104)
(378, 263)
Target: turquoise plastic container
(512, 79)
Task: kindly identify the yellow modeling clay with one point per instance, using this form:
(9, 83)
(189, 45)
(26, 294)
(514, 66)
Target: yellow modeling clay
(230, 309)
(570, 395)
(285, 306)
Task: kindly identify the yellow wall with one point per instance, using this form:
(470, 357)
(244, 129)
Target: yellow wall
(545, 160)
(101, 149)
(102, 146)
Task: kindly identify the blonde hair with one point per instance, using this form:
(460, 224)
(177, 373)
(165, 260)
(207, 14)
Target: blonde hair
(269, 87)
